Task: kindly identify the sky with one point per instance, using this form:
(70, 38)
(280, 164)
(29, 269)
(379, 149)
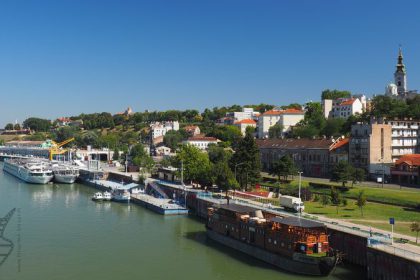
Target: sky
(66, 57)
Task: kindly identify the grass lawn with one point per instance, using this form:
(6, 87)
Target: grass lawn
(404, 197)
(375, 215)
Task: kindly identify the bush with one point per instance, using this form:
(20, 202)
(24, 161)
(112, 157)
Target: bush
(327, 186)
(316, 197)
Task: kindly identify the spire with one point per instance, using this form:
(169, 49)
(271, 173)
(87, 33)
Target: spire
(400, 64)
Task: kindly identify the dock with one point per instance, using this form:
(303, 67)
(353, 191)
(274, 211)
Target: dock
(159, 205)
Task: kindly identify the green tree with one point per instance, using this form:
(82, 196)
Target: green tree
(142, 159)
(357, 175)
(361, 201)
(334, 94)
(415, 227)
(247, 160)
(116, 154)
(172, 139)
(341, 172)
(218, 153)
(9, 126)
(196, 164)
(336, 198)
(64, 133)
(17, 127)
(276, 131)
(283, 167)
(333, 127)
(224, 177)
(325, 200)
(37, 124)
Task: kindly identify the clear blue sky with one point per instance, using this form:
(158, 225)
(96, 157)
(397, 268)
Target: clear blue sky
(65, 57)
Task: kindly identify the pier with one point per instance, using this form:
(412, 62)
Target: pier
(159, 205)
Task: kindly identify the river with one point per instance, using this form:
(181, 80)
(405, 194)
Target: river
(58, 233)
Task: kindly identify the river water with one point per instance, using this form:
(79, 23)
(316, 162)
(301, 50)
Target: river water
(59, 233)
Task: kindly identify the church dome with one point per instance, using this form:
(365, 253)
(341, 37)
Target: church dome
(391, 89)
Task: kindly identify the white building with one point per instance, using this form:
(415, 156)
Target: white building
(158, 129)
(201, 142)
(163, 151)
(247, 113)
(405, 137)
(344, 107)
(243, 124)
(287, 118)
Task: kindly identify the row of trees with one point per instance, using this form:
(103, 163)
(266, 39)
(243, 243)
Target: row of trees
(343, 172)
(11, 126)
(336, 199)
(227, 168)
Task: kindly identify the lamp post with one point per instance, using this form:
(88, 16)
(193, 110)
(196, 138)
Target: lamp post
(300, 181)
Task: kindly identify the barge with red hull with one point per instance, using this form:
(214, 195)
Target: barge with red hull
(290, 243)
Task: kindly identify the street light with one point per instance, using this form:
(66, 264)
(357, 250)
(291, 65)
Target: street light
(300, 181)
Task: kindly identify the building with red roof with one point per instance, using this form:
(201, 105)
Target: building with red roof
(344, 107)
(286, 118)
(243, 124)
(406, 170)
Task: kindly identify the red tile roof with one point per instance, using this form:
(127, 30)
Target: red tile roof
(340, 143)
(413, 159)
(281, 112)
(201, 138)
(348, 102)
(246, 121)
(290, 143)
(190, 127)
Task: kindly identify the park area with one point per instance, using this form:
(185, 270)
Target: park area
(381, 203)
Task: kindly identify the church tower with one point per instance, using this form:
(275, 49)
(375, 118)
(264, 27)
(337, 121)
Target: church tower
(400, 75)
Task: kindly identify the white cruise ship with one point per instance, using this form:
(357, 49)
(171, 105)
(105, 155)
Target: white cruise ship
(65, 174)
(29, 170)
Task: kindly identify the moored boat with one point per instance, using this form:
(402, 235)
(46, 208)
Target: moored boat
(97, 197)
(29, 170)
(65, 174)
(291, 243)
(107, 196)
(121, 195)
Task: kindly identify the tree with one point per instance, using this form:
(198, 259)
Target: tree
(116, 155)
(247, 155)
(333, 127)
(195, 162)
(341, 173)
(172, 139)
(218, 153)
(224, 177)
(9, 126)
(37, 124)
(361, 201)
(142, 159)
(325, 200)
(336, 198)
(17, 127)
(276, 131)
(357, 175)
(415, 227)
(65, 133)
(334, 94)
(284, 167)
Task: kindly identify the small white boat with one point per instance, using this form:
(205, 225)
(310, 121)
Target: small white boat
(121, 195)
(97, 196)
(107, 196)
